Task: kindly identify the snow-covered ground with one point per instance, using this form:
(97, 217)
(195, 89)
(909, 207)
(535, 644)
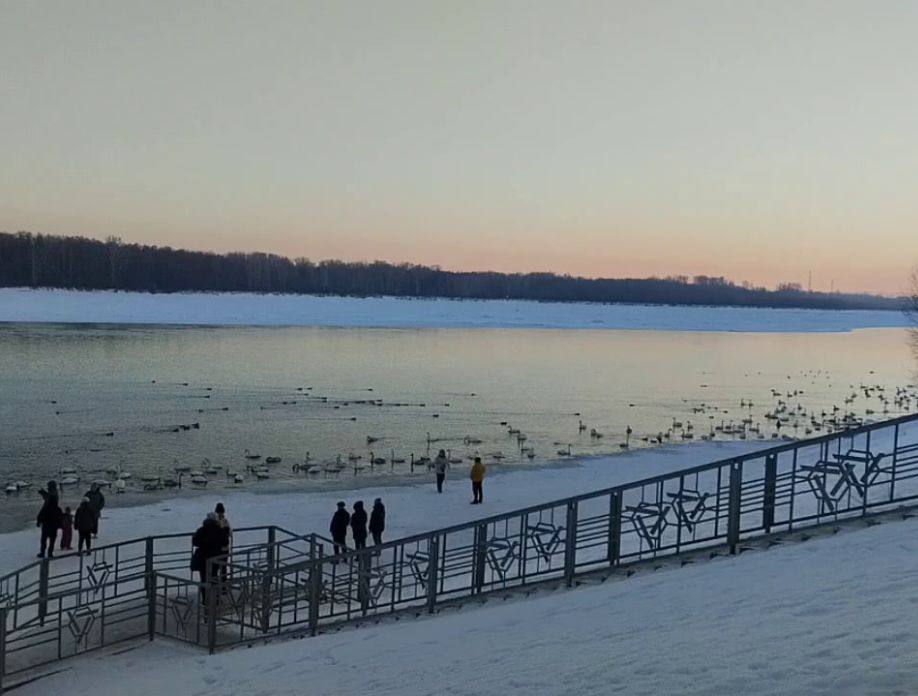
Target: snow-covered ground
(70, 306)
(834, 615)
(410, 508)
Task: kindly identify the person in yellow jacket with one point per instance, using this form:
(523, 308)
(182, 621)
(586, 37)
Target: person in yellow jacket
(477, 475)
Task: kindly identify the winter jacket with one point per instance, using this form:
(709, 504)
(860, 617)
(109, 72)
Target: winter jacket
(50, 516)
(208, 542)
(478, 472)
(441, 465)
(339, 523)
(359, 523)
(84, 518)
(96, 500)
(378, 518)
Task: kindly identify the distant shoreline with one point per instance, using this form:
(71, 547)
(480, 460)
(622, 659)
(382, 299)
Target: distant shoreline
(215, 309)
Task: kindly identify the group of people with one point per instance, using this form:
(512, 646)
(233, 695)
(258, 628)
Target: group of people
(441, 465)
(85, 520)
(213, 539)
(359, 525)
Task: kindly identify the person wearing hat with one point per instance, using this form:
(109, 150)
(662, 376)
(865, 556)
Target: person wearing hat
(338, 527)
(377, 521)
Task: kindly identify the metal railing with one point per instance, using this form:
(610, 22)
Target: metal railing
(276, 582)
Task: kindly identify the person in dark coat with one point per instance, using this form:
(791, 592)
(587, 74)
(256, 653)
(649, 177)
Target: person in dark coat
(377, 521)
(67, 530)
(359, 525)
(338, 528)
(49, 519)
(96, 502)
(208, 542)
(83, 521)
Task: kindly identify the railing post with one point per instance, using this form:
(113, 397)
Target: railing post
(570, 543)
(2, 646)
(271, 557)
(770, 492)
(433, 565)
(150, 586)
(481, 550)
(315, 588)
(148, 562)
(151, 607)
(363, 580)
(735, 500)
(895, 457)
(43, 573)
(615, 528)
(212, 592)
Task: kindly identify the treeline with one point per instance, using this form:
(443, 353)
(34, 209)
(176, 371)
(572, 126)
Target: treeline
(36, 260)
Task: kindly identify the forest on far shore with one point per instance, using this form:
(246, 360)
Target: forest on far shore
(38, 260)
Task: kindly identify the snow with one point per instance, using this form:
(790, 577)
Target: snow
(107, 307)
(833, 615)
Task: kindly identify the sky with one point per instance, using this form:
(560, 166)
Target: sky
(762, 141)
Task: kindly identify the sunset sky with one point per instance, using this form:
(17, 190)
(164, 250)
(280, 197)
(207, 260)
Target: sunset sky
(755, 140)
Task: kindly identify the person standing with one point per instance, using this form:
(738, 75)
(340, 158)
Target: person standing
(49, 519)
(227, 530)
(67, 530)
(208, 543)
(377, 521)
(83, 521)
(96, 502)
(441, 466)
(359, 525)
(338, 528)
(477, 475)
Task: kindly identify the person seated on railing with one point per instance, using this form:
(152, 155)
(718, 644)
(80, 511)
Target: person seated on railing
(49, 519)
(359, 525)
(338, 527)
(208, 543)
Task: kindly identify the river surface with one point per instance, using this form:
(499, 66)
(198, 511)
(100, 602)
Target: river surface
(147, 400)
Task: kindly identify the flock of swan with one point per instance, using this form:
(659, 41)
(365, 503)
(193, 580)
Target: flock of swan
(786, 416)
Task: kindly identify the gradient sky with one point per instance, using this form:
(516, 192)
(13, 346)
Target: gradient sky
(756, 140)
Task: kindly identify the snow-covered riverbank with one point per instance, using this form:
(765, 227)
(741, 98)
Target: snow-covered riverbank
(216, 309)
(411, 507)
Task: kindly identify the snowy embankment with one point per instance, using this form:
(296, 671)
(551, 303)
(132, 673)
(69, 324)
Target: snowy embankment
(834, 615)
(218, 309)
(411, 508)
